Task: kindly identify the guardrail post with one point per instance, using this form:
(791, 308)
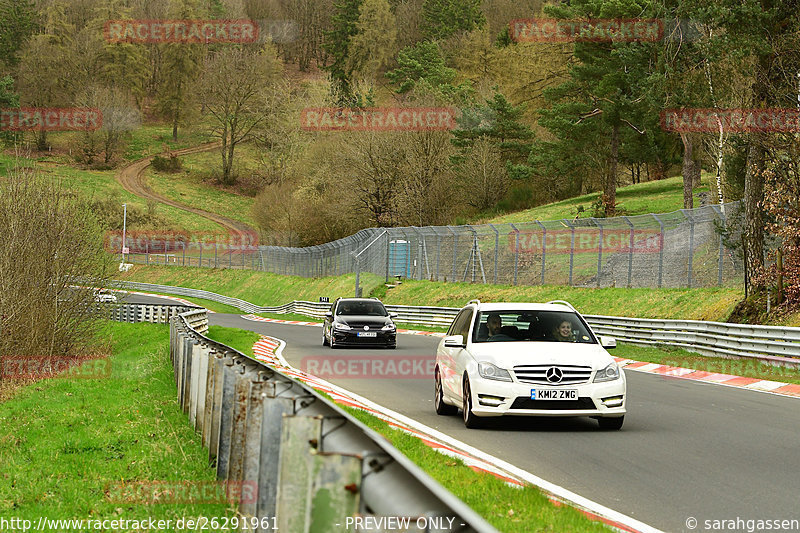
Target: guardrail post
(208, 413)
(275, 411)
(238, 423)
(230, 370)
(220, 363)
(301, 436)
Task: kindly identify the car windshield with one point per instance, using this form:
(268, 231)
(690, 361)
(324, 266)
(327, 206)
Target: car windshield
(361, 308)
(540, 326)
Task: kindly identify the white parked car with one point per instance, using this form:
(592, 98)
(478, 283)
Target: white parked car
(104, 296)
(527, 359)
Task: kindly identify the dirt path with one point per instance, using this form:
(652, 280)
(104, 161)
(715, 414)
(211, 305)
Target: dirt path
(132, 180)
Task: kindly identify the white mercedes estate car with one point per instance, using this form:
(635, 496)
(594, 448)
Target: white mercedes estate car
(527, 359)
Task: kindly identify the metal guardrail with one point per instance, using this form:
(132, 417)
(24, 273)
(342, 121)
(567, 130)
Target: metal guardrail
(314, 464)
(772, 344)
(156, 314)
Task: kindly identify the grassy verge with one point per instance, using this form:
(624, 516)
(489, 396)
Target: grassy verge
(662, 196)
(260, 288)
(263, 288)
(668, 355)
(240, 339)
(507, 508)
(65, 442)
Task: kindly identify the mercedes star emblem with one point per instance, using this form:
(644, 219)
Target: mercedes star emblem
(554, 374)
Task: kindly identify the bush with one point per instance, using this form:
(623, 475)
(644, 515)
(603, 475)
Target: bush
(50, 242)
(167, 164)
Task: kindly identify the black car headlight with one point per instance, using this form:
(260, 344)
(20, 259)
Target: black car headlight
(341, 327)
(388, 327)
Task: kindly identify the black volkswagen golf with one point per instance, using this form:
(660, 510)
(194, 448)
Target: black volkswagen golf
(359, 321)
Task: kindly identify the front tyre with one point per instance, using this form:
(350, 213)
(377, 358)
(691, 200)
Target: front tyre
(324, 338)
(470, 420)
(438, 400)
(611, 423)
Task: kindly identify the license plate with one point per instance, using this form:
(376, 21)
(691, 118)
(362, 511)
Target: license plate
(554, 394)
(367, 333)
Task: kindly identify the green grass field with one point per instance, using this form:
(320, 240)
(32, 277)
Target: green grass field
(662, 196)
(65, 444)
(263, 288)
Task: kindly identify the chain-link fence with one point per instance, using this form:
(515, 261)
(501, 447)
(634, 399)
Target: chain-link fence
(683, 248)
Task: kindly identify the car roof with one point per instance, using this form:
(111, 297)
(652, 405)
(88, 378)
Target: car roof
(521, 306)
(358, 300)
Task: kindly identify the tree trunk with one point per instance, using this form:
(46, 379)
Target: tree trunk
(688, 171)
(696, 168)
(41, 140)
(610, 190)
(754, 226)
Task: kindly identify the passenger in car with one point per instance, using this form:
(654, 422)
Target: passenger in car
(563, 332)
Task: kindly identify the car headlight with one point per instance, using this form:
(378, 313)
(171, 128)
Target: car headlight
(341, 326)
(490, 371)
(609, 373)
(388, 327)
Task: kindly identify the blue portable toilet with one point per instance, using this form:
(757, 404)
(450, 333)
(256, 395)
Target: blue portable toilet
(399, 258)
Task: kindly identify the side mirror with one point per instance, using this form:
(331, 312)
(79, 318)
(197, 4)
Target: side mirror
(392, 315)
(328, 315)
(454, 341)
(608, 342)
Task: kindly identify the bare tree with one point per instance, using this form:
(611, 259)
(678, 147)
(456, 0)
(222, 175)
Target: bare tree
(236, 93)
(50, 241)
(483, 178)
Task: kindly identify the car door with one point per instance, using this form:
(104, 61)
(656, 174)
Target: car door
(449, 356)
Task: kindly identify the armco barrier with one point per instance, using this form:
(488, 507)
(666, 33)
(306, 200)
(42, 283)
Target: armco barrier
(773, 344)
(313, 463)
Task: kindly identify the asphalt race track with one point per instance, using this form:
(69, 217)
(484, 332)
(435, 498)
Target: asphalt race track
(687, 449)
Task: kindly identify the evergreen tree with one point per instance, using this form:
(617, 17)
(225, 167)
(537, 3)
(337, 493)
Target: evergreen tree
(337, 45)
(499, 122)
(422, 67)
(443, 18)
(17, 22)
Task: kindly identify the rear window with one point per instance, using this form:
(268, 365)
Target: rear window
(361, 308)
(538, 326)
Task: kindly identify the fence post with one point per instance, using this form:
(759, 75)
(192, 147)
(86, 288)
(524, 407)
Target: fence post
(721, 214)
(544, 247)
(496, 251)
(599, 250)
(516, 251)
(630, 251)
(455, 252)
(660, 250)
(571, 248)
(690, 218)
